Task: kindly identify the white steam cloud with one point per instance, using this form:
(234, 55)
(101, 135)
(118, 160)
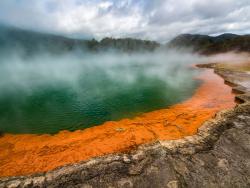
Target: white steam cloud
(44, 69)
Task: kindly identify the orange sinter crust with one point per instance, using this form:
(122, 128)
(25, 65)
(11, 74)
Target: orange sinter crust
(27, 153)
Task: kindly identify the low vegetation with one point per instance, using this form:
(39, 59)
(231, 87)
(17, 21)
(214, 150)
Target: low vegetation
(210, 45)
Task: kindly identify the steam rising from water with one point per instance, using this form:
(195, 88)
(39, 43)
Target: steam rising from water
(46, 93)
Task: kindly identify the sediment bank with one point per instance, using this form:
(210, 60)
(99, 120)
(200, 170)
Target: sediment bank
(218, 156)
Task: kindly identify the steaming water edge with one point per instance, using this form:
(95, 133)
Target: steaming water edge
(46, 94)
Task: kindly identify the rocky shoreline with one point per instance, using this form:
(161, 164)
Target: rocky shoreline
(217, 156)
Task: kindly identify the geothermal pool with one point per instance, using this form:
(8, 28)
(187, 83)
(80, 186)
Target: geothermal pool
(47, 94)
(39, 153)
(151, 97)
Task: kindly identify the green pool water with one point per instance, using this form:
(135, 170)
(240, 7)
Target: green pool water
(49, 94)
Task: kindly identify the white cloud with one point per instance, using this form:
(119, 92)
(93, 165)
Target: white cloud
(149, 19)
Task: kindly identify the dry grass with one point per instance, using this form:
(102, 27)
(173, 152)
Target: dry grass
(234, 67)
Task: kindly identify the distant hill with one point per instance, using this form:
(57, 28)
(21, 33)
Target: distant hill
(30, 42)
(209, 45)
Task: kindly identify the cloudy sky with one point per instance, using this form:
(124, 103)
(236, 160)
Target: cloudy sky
(158, 20)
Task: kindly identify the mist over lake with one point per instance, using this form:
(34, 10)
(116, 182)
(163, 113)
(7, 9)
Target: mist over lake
(48, 93)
